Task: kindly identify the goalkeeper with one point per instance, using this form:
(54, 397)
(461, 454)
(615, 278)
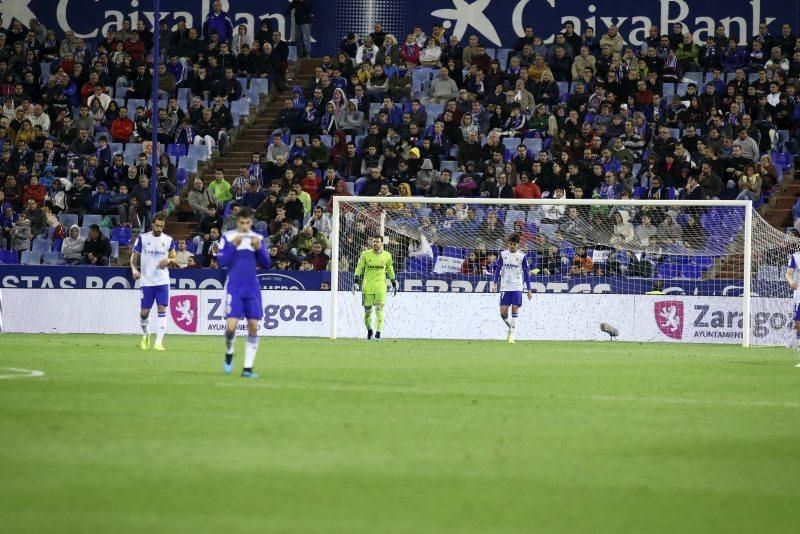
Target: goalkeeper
(374, 267)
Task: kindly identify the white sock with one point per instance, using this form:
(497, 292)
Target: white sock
(230, 339)
(144, 322)
(161, 327)
(506, 320)
(250, 349)
(513, 322)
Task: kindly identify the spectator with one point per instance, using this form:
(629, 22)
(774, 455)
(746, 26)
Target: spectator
(303, 12)
(443, 88)
(122, 127)
(182, 255)
(201, 199)
(221, 190)
(34, 191)
(38, 220)
(218, 22)
(72, 246)
(21, 234)
(96, 248)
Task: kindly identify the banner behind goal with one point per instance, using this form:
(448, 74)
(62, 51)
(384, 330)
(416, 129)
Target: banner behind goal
(679, 271)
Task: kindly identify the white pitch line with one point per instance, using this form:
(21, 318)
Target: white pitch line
(20, 373)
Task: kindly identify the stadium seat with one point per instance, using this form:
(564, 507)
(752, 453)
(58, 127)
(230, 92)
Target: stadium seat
(454, 252)
(31, 258)
(54, 258)
(534, 144)
(41, 245)
(188, 163)
(241, 107)
(668, 89)
(511, 143)
(692, 271)
(292, 54)
(89, 220)
(176, 150)
(114, 249)
(8, 257)
(511, 217)
(563, 88)
(198, 152)
(121, 234)
(503, 56)
(419, 265)
(639, 192)
(261, 84)
(450, 165)
(492, 52)
(67, 220)
(669, 270)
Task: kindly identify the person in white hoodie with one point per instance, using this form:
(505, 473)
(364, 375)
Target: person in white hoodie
(623, 230)
(72, 247)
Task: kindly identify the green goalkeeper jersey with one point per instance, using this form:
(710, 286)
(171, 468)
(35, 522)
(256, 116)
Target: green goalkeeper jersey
(375, 269)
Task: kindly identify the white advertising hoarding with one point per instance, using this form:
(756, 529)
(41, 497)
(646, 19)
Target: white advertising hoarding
(642, 318)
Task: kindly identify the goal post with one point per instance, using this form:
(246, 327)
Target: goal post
(658, 270)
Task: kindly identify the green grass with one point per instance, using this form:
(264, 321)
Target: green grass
(406, 436)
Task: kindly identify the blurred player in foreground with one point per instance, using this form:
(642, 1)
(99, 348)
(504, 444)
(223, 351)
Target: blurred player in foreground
(242, 251)
(792, 278)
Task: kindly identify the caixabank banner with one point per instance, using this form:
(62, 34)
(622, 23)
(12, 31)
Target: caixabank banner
(497, 23)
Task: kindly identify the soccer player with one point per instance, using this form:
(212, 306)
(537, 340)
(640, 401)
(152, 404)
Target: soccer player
(374, 267)
(242, 251)
(510, 274)
(153, 253)
(792, 277)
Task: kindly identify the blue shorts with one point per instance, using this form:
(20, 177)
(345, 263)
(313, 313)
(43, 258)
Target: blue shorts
(797, 312)
(244, 306)
(157, 294)
(511, 298)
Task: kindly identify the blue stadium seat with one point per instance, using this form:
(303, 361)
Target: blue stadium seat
(8, 257)
(241, 107)
(122, 235)
(695, 77)
(419, 265)
(41, 245)
(692, 271)
(534, 144)
(115, 249)
(513, 216)
(188, 163)
(639, 192)
(54, 258)
(176, 150)
(503, 55)
(450, 165)
(180, 176)
(492, 53)
(67, 220)
(670, 270)
(89, 220)
(292, 54)
(668, 89)
(511, 143)
(31, 258)
(198, 152)
(327, 140)
(261, 84)
(454, 252)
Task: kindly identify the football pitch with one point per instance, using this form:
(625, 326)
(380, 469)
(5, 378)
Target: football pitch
(401, 436)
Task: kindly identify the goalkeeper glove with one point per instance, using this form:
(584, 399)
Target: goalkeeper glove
(394, 288)
(356, 285)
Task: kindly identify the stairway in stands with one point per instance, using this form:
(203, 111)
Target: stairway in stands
(250, 138)
(779, 213)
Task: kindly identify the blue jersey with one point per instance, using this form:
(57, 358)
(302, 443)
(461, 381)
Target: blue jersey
(242, 262)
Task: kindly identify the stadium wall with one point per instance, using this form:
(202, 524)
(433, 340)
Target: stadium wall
(642, 318)
(496, 22)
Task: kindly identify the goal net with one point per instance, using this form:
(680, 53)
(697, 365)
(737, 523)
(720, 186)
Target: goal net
(657, 271)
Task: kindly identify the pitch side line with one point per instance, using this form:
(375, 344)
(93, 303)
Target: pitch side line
(20, 373)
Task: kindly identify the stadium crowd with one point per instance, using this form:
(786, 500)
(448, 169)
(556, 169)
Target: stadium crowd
(587, 116)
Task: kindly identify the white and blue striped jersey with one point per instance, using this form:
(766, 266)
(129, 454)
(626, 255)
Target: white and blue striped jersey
(152, 250)
(512, 272)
